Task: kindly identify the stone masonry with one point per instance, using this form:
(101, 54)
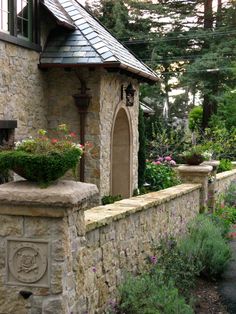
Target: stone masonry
(65, 257)
(38, 99)
(66, 261)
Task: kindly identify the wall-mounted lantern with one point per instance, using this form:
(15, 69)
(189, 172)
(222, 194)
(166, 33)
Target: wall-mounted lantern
(129, 92)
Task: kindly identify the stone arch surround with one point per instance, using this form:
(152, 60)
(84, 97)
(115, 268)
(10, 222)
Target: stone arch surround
(121, 150)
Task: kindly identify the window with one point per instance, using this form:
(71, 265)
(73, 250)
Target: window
(4, 15)
(18, 20)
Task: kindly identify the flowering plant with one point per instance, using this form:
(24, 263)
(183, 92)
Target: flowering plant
(44, 159)
(61, 141)
(160, 174)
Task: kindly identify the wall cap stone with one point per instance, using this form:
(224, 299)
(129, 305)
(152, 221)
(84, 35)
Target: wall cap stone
(225, 174)
(213, 163)
(195, 169)
(103, 215)
(26, 198)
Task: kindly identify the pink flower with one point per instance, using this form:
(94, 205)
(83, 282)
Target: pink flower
(161, 159)
(73, 134)
(153, 260)
(172, 162)
(157, 162)
(54, 140)
(168, 158)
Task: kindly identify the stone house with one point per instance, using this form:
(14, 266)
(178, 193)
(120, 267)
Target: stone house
(58, 64)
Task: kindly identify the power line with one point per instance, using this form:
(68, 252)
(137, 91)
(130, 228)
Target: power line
(164, 39)
(206, 32)
(197, 71)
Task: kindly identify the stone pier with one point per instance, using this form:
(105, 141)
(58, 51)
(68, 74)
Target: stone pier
(41, 232)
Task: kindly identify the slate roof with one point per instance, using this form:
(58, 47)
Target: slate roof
(89, 42)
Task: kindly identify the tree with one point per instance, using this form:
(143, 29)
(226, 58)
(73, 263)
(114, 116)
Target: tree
(192, 49)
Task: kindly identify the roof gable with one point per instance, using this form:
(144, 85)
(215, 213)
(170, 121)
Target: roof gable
(89, 43)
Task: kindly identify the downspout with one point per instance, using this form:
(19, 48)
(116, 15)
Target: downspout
(82, 101)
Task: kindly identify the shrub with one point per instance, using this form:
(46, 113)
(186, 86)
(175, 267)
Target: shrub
(110, 199)
(228, 214)
(160, 176)
(230, 196)
(195, 118)
(43, 159)
(180, 268)
(225, 165)
(205, 245)
(151, 294)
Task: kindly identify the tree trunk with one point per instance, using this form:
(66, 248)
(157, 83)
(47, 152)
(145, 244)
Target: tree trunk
(208, 14)
(208, 25)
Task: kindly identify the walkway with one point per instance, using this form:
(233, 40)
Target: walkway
(228, 284)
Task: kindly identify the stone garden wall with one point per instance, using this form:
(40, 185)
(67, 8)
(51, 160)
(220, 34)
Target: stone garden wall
(60, 254)
(223, 181)
(56, 259)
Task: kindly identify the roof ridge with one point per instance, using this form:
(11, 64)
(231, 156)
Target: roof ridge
(50, 6)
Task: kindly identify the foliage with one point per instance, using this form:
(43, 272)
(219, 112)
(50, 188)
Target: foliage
(164, 140)
(110, 199)
(230, 195)
(180, 268)
(142, 150)
(195, 118)
(225, 165)
(151, 294)
(220, 141)
(205, 244)
(226, 112)
(195, 155)
(43, 159)
(228, 214)
(160, 176)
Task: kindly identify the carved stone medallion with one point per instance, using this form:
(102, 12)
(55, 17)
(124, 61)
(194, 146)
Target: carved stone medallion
(27, 262)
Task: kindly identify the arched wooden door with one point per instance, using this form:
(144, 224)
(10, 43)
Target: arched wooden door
(121, 161)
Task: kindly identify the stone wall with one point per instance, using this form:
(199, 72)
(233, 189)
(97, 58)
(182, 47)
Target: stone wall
(63, 260)
(223, 181)
(22, 89)
(39, 238)
(23, 86)
(111, 103)
(43, 99)
(105, 91)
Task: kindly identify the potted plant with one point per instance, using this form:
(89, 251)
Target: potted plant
(195, 155)
(43, 159)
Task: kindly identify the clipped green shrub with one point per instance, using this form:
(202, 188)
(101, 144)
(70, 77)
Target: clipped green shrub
(40, 168)
(205, 245)
(225, 165)
(151, 294)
